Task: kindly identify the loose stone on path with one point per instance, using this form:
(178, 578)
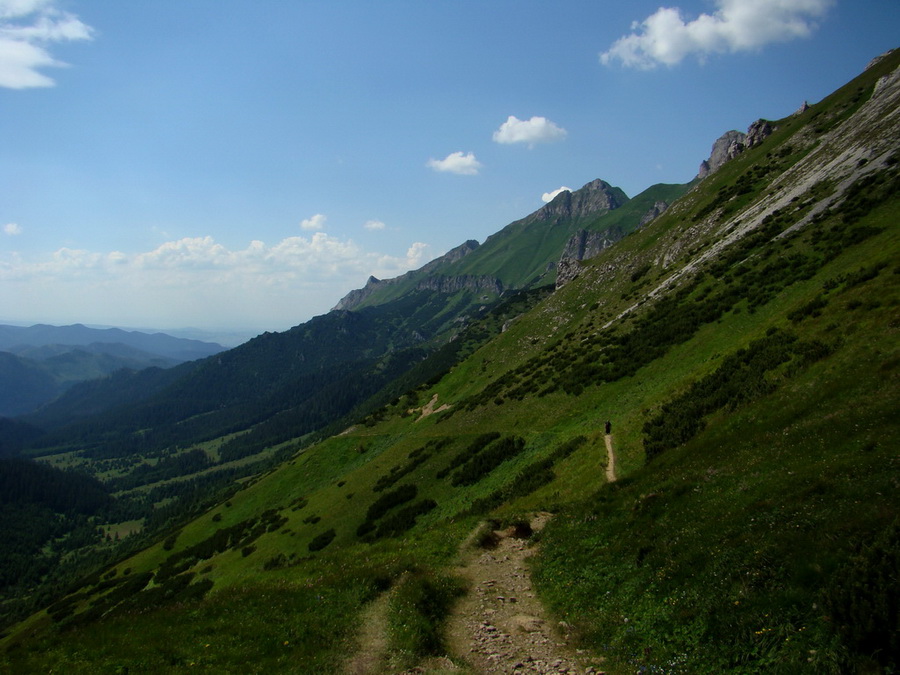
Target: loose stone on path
(500, 626)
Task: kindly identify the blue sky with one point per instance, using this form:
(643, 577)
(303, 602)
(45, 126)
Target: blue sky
(242, 165)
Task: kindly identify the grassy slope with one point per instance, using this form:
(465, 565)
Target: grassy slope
(721, 553)
(519, 254)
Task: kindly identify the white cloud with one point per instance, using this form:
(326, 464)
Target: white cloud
(317, 222)
(12, 229)
(666, 37)
(27, 29)
(535, 130)
(456, 162)
(550, 196)
(418, 255)
(374, 225)
(197, 280)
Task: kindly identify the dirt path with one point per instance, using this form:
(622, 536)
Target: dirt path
(500, 626)
(611, 460)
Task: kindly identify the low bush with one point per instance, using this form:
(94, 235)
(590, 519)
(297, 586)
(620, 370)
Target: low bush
(480, 465)
(322, 540)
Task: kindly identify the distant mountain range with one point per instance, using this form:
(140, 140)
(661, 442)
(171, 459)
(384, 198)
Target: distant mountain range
(38, 363)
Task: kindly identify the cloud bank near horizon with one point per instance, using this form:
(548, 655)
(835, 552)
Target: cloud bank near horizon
(667, 38)
(264, 286)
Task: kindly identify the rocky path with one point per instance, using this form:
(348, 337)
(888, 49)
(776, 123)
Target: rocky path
(501, 626)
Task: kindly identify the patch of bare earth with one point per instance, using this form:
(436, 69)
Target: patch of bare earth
(500, 626)
(429, 408)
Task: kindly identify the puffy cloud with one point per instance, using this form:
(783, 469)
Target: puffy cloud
(12, 229)
(27, 28)
(737, 25)
(417, 255)
(374, 225)
(456, 162)
(535, 130)
(317, 222)
(550, 196)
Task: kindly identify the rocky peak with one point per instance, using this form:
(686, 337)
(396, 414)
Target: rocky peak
(732, 143)
(356, 297)
(727, 146)
(596, 197)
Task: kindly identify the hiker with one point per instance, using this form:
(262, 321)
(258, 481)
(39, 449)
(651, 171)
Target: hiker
(608, 427)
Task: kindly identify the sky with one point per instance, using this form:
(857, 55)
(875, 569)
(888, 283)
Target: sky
(236, 165)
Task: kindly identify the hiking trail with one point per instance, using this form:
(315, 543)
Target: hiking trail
(500, 626)
(611, 460)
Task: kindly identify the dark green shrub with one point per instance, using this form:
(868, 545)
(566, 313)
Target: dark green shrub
(812, 308)
(169, 542)
(322, 540)
(389, 500)
(404, 519)
(480, 465)
(476, 446)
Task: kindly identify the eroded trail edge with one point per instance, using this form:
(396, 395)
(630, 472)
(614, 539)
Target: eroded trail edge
(500, 626)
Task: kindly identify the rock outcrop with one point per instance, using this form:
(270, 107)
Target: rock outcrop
(583, 245)
(727, 146)
(655, 212)
(566, 270)
(759, 131)
(732, 143)
(465, 282)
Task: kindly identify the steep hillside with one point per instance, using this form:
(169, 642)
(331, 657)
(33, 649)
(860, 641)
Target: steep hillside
(525, 253)
(737, 358)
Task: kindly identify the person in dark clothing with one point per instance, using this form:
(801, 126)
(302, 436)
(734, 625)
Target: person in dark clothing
(608, 428)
